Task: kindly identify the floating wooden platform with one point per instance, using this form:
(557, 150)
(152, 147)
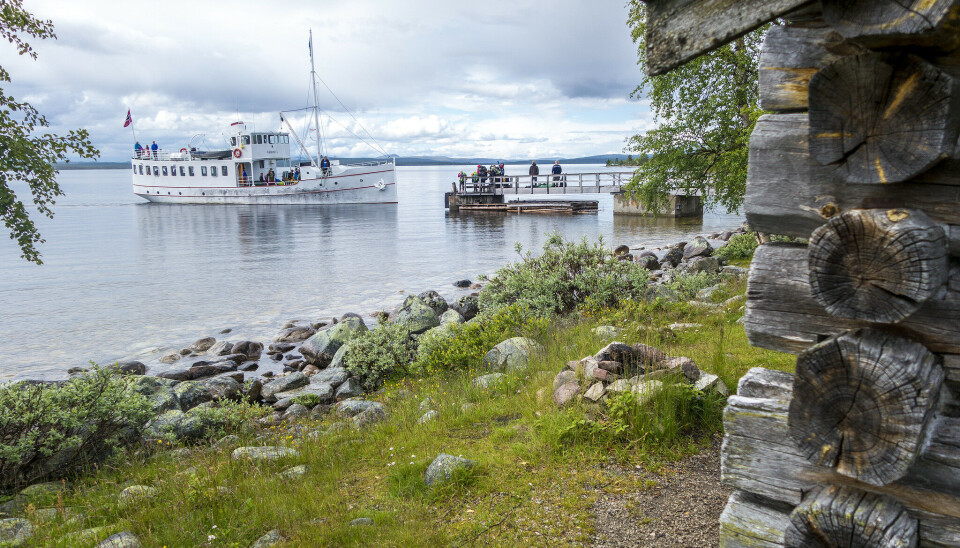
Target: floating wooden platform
(551, 206)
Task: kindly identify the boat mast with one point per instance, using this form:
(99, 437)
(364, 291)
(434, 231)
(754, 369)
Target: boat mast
(316, 99)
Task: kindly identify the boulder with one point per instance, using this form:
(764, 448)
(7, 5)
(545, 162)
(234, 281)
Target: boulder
(202, 345)
(564, 377)
(427, 417)
(250, 349)
(183, 427)
(283, 384)
(294, 334)
(15, 531)
(170, 357)
(321, 392)
(451, 317)
(511, 355)
(468, 306)
(709, 265)
(128, 368)
(711, 383)
(706, 293)
(249, 366)
(673, 257)
(486, 382)
(268, 540)
(123, 539)
(370, 416)
(699, 247)
(462, 284)
(433, 299)
(255, 391)
(265, 453)
(416, 315)
(319, 349)
(444, 467)
(159, 393)
(621, 250)
(191, 394)
(223, 387)
(349, 389)
(352, 408)
(334, 376)
(649, 261)
(676, 366)
(595, 392)
(341, 354)
(221, 348)
(136, 493)
(237, 358)
(296, 411)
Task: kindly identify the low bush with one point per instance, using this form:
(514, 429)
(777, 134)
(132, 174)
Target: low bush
(563, 277)
(686, 286)
(740, 246)
(463, 346)
(50, 430)
(380, 353)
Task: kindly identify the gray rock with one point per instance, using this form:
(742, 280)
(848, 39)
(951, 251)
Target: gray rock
(619, 386)
(184, 427)
(511, 355)
(271, 538)
(128, 368)
(451, 317)
(202, 345)
(709, 265)
(191, 394)
(352, 408)
(250, 349)
(237, 359)
(416, 315)
(427, 417)
(566, 393)
(370, 416)
(462, 284)
(647, 390)
(730, 272)
(136, 493)
(334, 376)
(563, 378)
(15, 531)
(595, 392)
(170, 357)
(296, 333)
(649, 261)
(486, 382)
(254, 392)
(283, 384)
(699, 247)
(706, 293)
(436, 303)
(223, 388)
(158, 391)
(221, 348)
(319, 349)
(323, 391)
(338, 357)
(673, 257)
(349, 389)
(606, 331)
(679, 366)
(444, 467)
(295, 472)
(265, 453)
(361, 522)
(711, 383)
(468, 306)
(123, 539)
(296, 411)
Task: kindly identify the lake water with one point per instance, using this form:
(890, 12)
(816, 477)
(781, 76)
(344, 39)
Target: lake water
(125, 279)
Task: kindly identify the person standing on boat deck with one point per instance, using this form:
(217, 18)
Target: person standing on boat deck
(534, 171)
(296, 174)
(154, 148)
(138, 150)
(261, 178)
(325, 166)
(557, 170)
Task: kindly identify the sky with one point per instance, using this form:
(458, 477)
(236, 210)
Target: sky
(510, 79)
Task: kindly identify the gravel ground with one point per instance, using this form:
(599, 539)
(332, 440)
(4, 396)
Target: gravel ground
(681, 506)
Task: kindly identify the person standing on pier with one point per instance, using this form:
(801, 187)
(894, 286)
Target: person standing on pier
(557, 170)
(534, 171)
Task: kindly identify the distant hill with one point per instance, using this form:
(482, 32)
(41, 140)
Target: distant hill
(401, 161)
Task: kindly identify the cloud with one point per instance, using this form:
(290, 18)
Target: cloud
(506, 78)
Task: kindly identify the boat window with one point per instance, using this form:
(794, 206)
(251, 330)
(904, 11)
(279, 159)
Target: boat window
(223, 170)
(246, 139)
(190, 169)
(164, 170)
(156, 171)
(203, 171)
(134, 169)
(183, 171)
(173, 171)
(259, 139)
(213, 171)
(273, 139)
(141, 169)
(233, 141)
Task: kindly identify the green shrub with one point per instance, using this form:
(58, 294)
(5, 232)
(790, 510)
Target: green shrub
(229, 416)
(51, 431)
(563, 277)
(308, 400)
(463, 346)
(740, 246)
(380, 353)
(686, 286)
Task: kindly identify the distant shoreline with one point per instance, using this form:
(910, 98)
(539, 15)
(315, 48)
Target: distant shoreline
(415, 161)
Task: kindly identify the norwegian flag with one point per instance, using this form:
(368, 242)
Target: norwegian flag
(129, 119)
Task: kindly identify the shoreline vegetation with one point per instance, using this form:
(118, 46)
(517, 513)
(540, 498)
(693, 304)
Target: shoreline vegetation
(577, 375)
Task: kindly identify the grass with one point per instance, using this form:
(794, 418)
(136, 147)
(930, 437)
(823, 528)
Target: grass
(537, 477)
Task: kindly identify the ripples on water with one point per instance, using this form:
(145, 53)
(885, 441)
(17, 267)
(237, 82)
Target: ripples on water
(123, 278)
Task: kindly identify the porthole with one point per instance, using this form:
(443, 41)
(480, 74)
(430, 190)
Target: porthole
(180, 193)
(204, 193)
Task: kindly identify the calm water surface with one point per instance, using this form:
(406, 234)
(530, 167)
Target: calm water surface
(123, 278)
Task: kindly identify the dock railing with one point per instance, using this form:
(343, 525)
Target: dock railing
(565, 183)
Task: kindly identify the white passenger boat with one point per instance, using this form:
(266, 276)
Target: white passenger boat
(258, 169)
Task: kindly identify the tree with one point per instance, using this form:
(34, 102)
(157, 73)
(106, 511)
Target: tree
(706, 111)
(27, 153)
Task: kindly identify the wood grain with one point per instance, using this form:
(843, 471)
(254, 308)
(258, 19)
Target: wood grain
(886, 23)
(845, 517)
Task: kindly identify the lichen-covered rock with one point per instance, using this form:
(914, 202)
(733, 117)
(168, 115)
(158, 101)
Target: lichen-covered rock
(699, 247)
(451, 317)
(320, 348)
(296, 411)
(124, 539)
(334, 376)
(283, 384)
(361, 522)
(416, 315)
(321, 392)
(349, 389)
(128, 368)
(265, 453)
(606, 332)
(673, 256)
(136, 493)
(268, 540)
(730, 272)
(351, 408)
(511, 355)
(649, 261)
(369, 416)
(444, 467)
(337, 361)
(159, 393)
(221, 348)
(595, 392)
(647, 390)
(563, 378)
(294, 334)
(223, 387)
(711, 383)
(468, 306)
(191, 394)
(183, 427)
(15, 531)
(486, 382)
(708, 265)
(252, 350)
(436, 303)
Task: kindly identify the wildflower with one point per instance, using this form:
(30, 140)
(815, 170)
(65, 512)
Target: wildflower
(211, 537)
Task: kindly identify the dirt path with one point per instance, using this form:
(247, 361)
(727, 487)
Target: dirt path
(681, 506)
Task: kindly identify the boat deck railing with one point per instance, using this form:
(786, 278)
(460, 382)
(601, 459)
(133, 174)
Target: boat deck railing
(161, 155)
(565, 183)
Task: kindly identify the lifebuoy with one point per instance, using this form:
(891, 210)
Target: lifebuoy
(183, 150)
(237, 153)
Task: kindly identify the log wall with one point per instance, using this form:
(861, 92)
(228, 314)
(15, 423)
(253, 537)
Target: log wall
(859, 158)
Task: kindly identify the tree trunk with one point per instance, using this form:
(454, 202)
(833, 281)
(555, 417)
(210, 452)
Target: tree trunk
(861, 404)
(877, 265)
(885, 23)
(882, 118)
(844, 517)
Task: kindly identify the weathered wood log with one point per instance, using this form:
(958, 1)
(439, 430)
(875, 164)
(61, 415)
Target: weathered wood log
(846, 517)
(679, 30)
(748, 521)
(883, 118)
(791, 55)
(790, 193)
(783, 315)
(877, 265)
(885, 23)
(758, 459)
(861, 404)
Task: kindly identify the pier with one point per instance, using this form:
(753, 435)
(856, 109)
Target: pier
(490, 193)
